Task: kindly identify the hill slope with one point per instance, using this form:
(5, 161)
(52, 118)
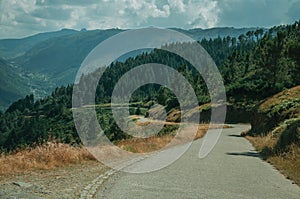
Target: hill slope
(52, 59)
(12, 85)
(10, 48)
(199, 34)
(277, 112)
(276, 131)
(60, 57)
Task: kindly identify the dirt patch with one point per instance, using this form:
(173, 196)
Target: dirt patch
(174, 116)
(62, 182)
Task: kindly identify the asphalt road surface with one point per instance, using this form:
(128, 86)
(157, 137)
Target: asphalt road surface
(232, 170)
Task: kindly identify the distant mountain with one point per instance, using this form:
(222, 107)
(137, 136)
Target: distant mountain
(47, 60)
(199, 33)
(10, 48)
(15, 83)
(60, 57)
(12, 85)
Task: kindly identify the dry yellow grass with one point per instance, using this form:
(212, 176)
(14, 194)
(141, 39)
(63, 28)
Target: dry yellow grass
(47, 156)
(280, 97)
(287, 163)
(51, 155)
(260, 142)
(145, 145)
(279, 146)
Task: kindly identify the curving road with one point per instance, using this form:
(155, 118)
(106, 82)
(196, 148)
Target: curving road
(232, 170)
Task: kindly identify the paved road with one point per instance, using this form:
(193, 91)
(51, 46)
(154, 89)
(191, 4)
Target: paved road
(232, 170)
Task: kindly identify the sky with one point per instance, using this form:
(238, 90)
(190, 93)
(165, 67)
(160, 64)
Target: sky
(20, 18)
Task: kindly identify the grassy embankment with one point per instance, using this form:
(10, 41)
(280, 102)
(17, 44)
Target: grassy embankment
(48, 156)
(144, 145)
(51, 155)
(276, 132)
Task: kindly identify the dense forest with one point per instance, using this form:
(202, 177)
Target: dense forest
(254, 66)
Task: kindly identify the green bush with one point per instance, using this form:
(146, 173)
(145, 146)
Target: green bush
(290, 135)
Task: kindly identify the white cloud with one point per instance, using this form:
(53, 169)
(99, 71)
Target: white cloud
(203, 13)
(23, 17)
(145, 9)
(195, 13)
(177, 5)
(253, 13)
(28, 17)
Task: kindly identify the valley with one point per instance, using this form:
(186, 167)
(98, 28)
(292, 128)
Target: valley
(38, 136)
(49, 60)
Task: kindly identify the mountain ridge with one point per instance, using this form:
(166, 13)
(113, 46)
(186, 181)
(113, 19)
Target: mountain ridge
(51, 59)
(10, 48)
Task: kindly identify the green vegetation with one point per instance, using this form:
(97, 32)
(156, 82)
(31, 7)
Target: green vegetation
(279, 109)
(276, 131)
(254, 66)
(279, 116)
(11, 48)
(27, 122)
(48, 60)
(12, 86)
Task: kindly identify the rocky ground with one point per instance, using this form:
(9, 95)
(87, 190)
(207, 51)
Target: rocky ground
(75, 181)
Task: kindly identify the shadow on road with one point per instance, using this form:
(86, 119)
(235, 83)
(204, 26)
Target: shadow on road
(249, 154)
(233, 135)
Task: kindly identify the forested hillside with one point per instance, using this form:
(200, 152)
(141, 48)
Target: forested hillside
(11, 48)
(10, 89)
(254, 66)
(49, 60)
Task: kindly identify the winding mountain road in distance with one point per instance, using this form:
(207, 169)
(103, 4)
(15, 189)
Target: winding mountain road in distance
(232, 170)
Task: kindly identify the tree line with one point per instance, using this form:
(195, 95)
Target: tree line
(253, 66)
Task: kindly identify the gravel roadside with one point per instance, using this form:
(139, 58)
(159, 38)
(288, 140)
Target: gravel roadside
(65, 182)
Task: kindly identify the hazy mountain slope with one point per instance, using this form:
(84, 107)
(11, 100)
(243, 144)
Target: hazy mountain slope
(199, 33)
(10, 48)
(12, 85)
(52, 59)
(60, 57)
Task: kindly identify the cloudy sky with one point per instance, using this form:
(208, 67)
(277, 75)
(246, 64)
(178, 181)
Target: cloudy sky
(19, 18)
